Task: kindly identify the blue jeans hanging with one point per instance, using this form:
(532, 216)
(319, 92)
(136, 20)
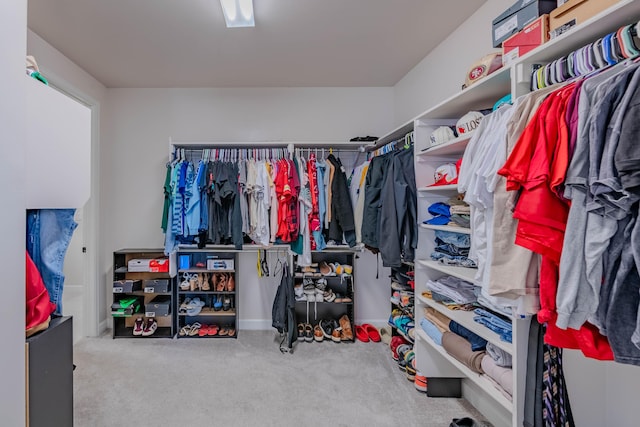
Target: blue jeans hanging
(49, 233)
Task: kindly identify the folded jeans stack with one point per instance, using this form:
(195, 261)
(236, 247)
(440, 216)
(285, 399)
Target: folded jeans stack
(452, 249)
(477, 343)
(495, 323)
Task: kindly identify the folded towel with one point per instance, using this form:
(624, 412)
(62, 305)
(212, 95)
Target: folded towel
(438, 319)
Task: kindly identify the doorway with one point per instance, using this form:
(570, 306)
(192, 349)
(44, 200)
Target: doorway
(76, 278)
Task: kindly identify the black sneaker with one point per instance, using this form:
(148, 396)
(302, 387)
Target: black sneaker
(327, 326)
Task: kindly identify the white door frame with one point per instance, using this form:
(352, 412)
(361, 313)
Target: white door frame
(91, 215)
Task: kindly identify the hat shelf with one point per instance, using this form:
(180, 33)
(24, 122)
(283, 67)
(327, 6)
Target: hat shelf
(452, 147)
(450, 228)
(440, 188)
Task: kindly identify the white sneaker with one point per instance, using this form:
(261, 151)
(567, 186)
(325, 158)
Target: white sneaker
(138, 327)
(150, 327)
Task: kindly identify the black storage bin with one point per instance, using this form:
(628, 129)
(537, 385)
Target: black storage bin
(444, 387)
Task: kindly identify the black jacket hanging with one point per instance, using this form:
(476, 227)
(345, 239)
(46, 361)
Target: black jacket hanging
(283, 313)
(341, 209)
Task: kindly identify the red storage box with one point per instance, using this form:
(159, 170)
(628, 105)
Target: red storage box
(159, 265)
(532, 36)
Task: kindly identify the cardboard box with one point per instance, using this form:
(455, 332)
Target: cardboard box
(575, 12)
(518, 16)
(158, 307)
(156, 286)
(532, 36)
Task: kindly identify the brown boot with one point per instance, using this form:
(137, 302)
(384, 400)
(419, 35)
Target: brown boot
(345, 326)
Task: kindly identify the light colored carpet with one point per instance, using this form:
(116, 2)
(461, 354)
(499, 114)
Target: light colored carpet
(248, 382)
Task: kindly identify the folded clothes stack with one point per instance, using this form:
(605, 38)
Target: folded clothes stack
(461, 350)
(499, 356)
(477, 343)
(453, 212)
(452, 249)
(432, 330)
(493, 305)
(495, 323)
(501, 377)
(453, 289)
(438, 319)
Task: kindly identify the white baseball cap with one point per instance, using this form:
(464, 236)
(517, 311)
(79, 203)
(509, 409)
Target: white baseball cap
(469, 122)
(441, 135)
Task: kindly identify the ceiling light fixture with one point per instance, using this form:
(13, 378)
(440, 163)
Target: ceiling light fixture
(238, 13)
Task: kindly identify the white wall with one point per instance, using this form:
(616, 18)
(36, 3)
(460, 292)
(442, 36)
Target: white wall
(13, 20)
(73, 80)
(442, 72)
(136, 147)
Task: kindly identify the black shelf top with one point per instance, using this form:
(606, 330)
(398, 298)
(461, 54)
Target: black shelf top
(324, 302)
(160, 274)
(161, 332)
(211, 313)
(139, 250)
(209, 336)
(142, 293)
(204, 270)
(180, 291)
(311, 276)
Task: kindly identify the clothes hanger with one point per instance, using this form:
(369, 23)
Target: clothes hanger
(628, 42)
(619, 45)
(607, 49)
(597, 53)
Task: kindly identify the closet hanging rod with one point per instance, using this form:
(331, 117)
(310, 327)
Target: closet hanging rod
(199, 150)
(338, 145)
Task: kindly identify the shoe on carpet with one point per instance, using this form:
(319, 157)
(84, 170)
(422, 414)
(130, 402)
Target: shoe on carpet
(385, 334)
(410, 369)
(372, 332)
(318, 336)
(420, 382)
(300, 331)
(326, 326)
(394, 343)
(345, 326)
(361, 334)
(308, 332)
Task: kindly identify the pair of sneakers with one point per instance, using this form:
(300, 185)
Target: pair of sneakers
(145, 329)
(337, 330)
(312, 291)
